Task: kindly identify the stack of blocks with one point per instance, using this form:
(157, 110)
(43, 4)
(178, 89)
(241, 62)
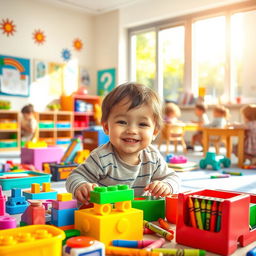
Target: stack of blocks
(63, 211)
(35, 193)
(106, 224)
(16, 202)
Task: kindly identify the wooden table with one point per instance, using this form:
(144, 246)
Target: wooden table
(226, 133)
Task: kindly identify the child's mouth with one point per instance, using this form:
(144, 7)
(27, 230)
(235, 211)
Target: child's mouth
(131, 140)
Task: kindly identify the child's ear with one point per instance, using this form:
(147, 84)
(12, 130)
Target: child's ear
(105, 127)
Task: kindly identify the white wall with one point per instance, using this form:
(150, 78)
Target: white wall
(61, 27)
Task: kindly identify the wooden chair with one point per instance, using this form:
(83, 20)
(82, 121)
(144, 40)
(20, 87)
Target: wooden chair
(172, 133)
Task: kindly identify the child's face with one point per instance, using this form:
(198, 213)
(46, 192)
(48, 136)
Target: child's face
(130, 131)
(217, 114)
(198, 112)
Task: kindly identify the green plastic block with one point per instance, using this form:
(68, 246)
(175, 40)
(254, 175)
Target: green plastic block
(253, 215)
(70, 233)
(22, 224)
(111, 194)
(153, 208)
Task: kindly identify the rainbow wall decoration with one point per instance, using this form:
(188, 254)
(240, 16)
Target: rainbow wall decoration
(14, 76)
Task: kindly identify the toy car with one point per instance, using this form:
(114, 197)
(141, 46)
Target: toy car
(215, 161)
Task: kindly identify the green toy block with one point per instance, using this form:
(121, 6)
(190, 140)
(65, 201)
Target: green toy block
(253, 215)
(153, 208)
(111, 194)
(22, 224)
(70, 233)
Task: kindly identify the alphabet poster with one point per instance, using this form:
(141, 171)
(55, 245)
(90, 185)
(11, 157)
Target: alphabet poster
(14, 76)
(106, 80)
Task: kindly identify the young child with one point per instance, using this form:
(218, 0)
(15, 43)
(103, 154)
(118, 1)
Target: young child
(171, 113)
(200, 112)
(131, 116)
(29, 126)
(249, 117)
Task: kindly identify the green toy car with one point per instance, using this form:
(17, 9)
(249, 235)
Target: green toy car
(215, 161)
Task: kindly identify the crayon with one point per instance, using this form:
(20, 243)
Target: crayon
(198, 214)
(165, 225)
(167, 235)
(147, 231)
(132, 243)
(180, 252)
(213, 216)
(203, 212)
(218, 224)
(208, 198)
(208, 215)
(157, 244)
(191, 212)
(220, 176)
(233, 173)
(121, 251)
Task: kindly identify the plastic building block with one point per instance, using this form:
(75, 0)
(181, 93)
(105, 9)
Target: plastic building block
(169, 157)
(2, 202)
(63, 217)
(81, 156)
(30, 240)
(38, 156)
(60, 172)
(35, 193)
(7, 222)
(111, 194)
(70, 233)
(64, 197)
(253, 215)
(234, 230)
(178, 160)
(215, 161)
(68, 227)
(34, 214)
(171, 208)
(59, 205)
(70, 153)
(16, 203)
(22, 179)
(38, 144)
(81, 245)
(252, 252)
(153, 208)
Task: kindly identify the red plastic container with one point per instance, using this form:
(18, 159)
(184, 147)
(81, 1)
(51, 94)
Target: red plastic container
(171, 208)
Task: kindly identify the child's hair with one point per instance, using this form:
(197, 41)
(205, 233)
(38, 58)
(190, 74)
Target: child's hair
(222, 110)
(249, 112)
(172, 108)
(201, 107)
(27, 109)
(138, 95)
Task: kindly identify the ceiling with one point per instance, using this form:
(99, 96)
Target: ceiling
(93, 6)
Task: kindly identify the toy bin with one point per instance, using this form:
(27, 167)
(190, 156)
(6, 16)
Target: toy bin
(31, 240)
(234, 226)
(8, 143)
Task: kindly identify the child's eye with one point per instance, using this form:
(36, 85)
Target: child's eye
(121, 122)
(144, 124)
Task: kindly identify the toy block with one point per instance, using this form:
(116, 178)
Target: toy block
(31, 240)
(29, 194)
(7, 222)
(171, 208)
(34, 214)
(2, 202)
(35, 188)
(38, 144)
(123, 206)
(116, 225)
(63, 217)
(70, 233)
(16, 203)
(46, 187)
(153, 208)
(252, 215)
(60, 172)
(68, 227)
(215, 161)
(80, 245)
(59, 205)
(64, 197)
(111, 194)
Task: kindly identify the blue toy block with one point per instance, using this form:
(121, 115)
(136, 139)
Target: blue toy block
(215, 161)
(16, 203)
(63, 217)
(169, 157)
(41, 195)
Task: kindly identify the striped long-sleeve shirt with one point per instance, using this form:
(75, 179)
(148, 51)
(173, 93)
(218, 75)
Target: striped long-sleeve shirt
(105, 168)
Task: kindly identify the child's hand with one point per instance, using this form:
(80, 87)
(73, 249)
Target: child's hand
(158, 188)
(82, 193)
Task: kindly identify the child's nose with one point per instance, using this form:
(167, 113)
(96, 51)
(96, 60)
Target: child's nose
(131, 129)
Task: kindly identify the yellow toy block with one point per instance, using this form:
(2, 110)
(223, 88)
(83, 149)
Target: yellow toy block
(126, 225)
(38, 144)
(46, 187)
(102, 209)
(63, 197)
(35, 188)
(123, 206)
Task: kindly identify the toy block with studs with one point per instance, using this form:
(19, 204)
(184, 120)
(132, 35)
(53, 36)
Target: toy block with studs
(16, 203)
(35, 193)
(105, 223)
(34, 214)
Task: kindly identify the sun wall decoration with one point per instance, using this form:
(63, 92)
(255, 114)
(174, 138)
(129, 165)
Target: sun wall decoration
(39, 36)
(66, 54)
(8, 27)
(78, 44)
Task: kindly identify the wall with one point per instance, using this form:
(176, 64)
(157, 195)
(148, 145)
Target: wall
(61, 27)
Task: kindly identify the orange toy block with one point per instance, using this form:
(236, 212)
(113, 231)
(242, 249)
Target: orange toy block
(63, 197)
(46, 187)
(35, 188)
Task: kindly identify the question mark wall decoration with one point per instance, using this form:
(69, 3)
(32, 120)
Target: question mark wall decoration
(106, 81)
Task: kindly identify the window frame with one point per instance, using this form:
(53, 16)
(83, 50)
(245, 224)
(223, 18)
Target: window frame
(187, 21)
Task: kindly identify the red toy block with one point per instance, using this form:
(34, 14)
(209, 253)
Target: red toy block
(234, 227)
(34, 214)
(38, 156)
(60, 205)
(171, 208)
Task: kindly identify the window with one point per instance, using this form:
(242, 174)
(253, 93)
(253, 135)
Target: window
(144, 58)
(171, 62)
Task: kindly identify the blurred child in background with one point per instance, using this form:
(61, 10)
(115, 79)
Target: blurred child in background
(29, 126)
(171, 113)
